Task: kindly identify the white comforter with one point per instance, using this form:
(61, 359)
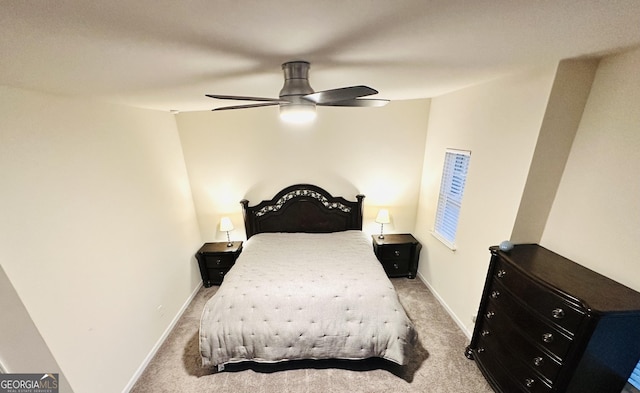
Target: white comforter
(305, 296)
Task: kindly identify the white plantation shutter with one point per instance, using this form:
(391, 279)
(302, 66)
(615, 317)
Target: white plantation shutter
(454, 176)
(634, 379)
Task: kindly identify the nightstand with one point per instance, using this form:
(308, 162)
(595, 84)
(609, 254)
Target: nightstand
(215, 260)
(398, 254)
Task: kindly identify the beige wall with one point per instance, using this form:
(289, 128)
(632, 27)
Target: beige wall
(251, 154)
(20, 336)
(499, 122)
(97, 229)
(562, 117)
(595, 218)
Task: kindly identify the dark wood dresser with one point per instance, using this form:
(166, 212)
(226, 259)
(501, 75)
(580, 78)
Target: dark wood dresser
(547, 324)
(215, 260)
(398, 253)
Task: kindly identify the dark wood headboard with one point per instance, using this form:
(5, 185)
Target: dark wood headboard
(302, 208)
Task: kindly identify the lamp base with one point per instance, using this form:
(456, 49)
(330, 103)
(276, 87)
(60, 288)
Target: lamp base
(381, 235)
(229, 242)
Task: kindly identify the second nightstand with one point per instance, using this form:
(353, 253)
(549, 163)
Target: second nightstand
(215, 260)
(398, 254)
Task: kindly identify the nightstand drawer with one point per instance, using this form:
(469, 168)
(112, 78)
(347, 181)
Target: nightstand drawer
(217, 275)
(396, 268)
(219, 261)
(396, 251)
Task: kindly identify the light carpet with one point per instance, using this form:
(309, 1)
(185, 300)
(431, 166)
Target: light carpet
(437, 365)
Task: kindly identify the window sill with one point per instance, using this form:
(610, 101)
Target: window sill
(449, 245)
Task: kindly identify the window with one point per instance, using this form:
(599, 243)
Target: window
(635, 377)
(454, 176)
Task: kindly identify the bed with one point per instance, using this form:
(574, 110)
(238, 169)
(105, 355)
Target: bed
(306, 286)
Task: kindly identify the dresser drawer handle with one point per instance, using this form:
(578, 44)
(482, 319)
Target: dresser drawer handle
(485, 333)
(547, 337)
(538, 361)
(501, 273)
(218, 261)
(480, 350)
(529, 382)
(396, 253)
(495, 294)
(395, 266)
(490, 314)
(558, 313)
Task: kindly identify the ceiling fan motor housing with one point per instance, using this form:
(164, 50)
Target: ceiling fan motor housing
(296, 82)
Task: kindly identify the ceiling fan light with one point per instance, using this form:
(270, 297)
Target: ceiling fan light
(298, 113)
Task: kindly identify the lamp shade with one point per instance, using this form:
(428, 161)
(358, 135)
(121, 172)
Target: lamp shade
(225, 224)
(383, 216)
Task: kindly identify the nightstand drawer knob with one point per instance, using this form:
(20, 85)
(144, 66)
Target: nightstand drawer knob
(485, 333)
(558, 313)
(538, 361)
(501, 273)
(529, 382)
(396, 253)
(490, 314)
(495, 294)
(395, 266)
(218, 261)
(547, 337)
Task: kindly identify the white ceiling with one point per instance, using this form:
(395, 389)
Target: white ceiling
(167, 54)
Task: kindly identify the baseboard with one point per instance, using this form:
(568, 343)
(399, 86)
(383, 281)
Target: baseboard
(446, 307)
(160, 341)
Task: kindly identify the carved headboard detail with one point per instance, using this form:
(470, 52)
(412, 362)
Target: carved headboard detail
(303, 208)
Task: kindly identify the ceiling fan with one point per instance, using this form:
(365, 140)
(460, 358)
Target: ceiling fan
(298, 101)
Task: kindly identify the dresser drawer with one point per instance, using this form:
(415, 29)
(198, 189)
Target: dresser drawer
(521, 374)
(219, 261)
(551, 306)
(494, 371)
(501, 328)
(504, 307)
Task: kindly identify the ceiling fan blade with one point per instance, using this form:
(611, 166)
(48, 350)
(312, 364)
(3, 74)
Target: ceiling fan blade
(243, 98)
(358, 102)
(224, 108)
(341, 94)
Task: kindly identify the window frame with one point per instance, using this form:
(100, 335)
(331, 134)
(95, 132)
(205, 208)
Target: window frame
(450, 196)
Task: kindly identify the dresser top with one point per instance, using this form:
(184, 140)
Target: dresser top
(597, 292)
